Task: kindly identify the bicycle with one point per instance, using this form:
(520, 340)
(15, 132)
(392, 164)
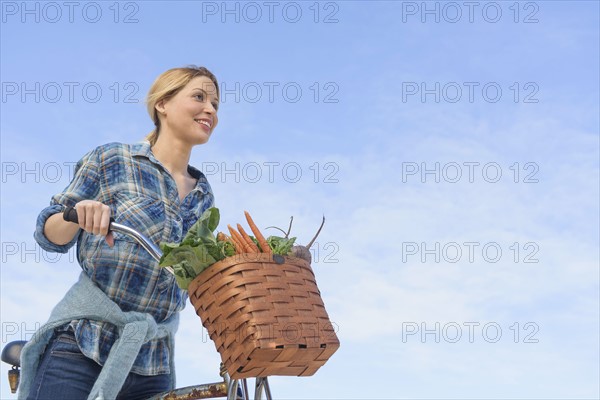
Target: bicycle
(233, 389)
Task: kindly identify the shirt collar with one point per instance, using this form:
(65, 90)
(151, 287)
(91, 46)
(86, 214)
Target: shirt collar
(142, 149)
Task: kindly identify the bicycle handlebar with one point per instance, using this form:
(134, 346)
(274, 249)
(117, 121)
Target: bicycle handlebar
(70, 214)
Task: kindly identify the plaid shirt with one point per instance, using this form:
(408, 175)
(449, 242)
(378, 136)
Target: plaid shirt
(142, 194)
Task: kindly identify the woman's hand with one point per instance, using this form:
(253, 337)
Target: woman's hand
(94, 217)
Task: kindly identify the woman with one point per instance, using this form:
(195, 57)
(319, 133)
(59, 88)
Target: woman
(112, 334)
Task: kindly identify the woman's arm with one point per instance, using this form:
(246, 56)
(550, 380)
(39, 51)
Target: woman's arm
(59, 231)
(83, 192)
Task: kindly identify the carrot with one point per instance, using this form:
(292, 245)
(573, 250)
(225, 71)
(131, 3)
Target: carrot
(239, 249)
(239, 241)
(259, 236)
(248, 240)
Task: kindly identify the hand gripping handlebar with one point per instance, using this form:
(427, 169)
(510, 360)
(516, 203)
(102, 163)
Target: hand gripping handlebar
(70, 214)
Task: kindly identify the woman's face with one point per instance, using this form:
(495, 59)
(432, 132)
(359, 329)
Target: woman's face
(191, 115)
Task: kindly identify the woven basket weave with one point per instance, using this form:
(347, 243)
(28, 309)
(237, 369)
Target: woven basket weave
(265, 315)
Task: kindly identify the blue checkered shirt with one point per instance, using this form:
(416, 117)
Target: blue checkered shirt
(142, 194)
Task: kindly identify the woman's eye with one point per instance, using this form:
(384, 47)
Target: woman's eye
(200, 96)
(215, 105)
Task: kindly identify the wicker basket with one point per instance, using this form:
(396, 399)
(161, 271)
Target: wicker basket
(265, 314)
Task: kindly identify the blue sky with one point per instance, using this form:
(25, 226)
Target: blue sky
(456, 161)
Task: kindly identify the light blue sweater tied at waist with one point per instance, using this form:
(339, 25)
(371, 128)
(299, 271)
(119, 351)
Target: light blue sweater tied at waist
(86, 301)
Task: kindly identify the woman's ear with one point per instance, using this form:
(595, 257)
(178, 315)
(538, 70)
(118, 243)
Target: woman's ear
(160, 107)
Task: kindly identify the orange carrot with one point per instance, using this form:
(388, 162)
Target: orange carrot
(259, 236)
(239, 249)
(248, 240)
(239, 241)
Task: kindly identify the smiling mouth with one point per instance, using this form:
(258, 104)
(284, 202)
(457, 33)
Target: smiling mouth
(203, 122)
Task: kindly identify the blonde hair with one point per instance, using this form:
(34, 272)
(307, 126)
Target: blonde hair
(167, 85)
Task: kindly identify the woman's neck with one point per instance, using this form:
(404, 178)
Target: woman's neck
(173, 155)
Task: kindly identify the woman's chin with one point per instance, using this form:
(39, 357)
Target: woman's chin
(201, 139)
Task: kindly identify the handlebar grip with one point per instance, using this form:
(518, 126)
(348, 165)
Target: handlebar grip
(70, 214)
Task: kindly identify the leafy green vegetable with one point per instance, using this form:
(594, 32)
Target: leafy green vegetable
(280, 245)
(198, 250)
(228, 249)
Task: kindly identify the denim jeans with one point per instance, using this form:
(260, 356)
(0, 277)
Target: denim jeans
(65, 373)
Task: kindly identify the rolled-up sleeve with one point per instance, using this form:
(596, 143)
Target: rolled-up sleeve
(85, 185)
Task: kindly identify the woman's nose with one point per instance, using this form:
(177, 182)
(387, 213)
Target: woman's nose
(211, 109)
